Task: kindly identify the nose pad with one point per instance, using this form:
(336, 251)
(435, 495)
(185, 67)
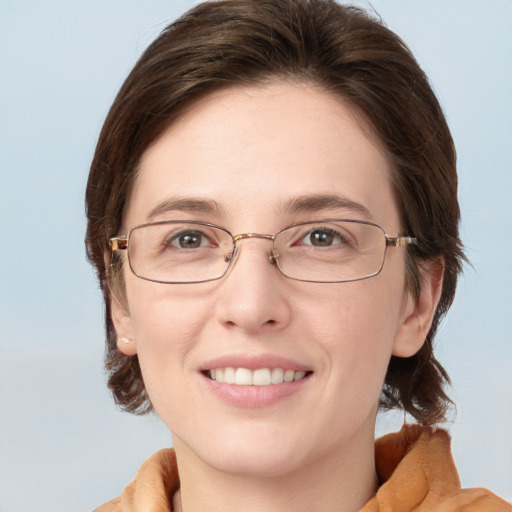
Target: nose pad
(231, 258)
(273, 256)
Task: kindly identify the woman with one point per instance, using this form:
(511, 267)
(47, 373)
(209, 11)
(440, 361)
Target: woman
(273, 218)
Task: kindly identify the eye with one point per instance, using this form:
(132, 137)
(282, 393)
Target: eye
(323, 237)
(189, 239)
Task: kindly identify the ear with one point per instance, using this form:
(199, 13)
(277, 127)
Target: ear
(123, 325)
(120, 317)
(418, 312)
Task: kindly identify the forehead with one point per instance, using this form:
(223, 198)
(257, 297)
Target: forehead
(254, 150)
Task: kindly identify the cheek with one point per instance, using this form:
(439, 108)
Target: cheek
(357, 325)
(166, 325)
(364, 310)
(165, 314)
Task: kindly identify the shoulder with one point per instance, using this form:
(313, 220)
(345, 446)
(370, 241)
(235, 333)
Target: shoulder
(417, 472)
(111, 506)
(475, 500)
(153, 487)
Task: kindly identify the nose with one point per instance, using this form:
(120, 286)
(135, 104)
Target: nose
(252, 296)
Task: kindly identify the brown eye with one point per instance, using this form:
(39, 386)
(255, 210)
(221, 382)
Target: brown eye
(323, 237)
(189, 240)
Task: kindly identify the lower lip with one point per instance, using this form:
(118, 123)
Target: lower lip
(254, 397)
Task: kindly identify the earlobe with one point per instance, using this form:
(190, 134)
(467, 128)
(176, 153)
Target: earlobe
(418, 312)
(126, 343)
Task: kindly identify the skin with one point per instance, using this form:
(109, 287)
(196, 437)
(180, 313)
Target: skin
(252, 150)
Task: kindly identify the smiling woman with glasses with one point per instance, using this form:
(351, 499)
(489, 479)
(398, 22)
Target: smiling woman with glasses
(273, 217)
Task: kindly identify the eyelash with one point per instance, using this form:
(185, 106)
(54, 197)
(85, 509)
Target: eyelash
(175, 237)
(326, 230)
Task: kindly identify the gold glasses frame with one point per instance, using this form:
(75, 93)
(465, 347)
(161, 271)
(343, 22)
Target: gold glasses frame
(121, 243)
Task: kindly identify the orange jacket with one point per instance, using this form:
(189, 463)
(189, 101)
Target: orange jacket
(414, 466)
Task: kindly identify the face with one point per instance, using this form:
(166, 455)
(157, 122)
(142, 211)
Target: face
(246, 156)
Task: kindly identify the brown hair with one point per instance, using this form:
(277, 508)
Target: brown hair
(349, 54)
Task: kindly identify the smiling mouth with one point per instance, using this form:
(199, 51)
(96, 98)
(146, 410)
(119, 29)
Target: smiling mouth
(259, 377)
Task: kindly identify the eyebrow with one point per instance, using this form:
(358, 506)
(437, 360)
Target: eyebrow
(186, 204)
(317, 202)
(301, 204)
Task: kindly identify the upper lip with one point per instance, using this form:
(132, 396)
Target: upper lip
(254, 362)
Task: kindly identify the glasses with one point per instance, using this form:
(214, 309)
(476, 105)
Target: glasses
(324, 251)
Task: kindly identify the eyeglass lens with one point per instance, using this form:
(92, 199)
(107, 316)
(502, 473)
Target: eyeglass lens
(325, 251)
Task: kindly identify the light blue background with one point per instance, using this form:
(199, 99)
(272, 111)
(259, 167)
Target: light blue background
(63, 446)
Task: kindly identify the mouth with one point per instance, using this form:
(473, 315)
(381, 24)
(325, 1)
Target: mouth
(259, 377)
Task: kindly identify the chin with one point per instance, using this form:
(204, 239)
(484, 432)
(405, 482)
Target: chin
(261, 455)
(259, 462)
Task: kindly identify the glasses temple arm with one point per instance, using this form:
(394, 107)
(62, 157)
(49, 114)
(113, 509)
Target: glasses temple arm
(400, 241)
(118, 243)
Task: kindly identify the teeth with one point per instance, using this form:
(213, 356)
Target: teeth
(243, 377)
(260, 377)
(288, 375)
(229, 375)
(277, 375)
(299, 375)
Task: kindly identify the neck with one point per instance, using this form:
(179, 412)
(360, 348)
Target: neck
(343, 482)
